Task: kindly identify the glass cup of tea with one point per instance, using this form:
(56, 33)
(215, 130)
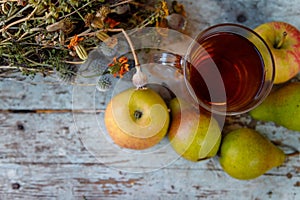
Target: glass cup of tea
(228, 69)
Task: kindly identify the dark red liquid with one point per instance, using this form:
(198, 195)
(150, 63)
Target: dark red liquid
(229, 73)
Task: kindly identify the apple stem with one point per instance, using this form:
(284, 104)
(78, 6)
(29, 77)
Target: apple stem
(282, 39)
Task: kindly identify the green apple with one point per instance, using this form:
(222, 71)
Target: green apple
(283, 40)
(137, 118)
(192, 135)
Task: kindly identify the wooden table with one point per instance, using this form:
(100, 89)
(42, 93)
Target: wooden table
(42, 155)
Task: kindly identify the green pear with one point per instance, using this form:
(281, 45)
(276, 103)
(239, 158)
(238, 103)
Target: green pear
(192, 135)
(246, 154)
(282, 107)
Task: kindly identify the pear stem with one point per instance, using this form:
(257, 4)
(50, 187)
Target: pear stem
(296, 153)
(282, 39)
(293, 151)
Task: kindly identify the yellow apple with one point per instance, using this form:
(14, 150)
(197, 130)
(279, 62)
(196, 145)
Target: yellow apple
(137, 118)
(283, 40)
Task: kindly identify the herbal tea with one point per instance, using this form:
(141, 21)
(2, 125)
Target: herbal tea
(229, 62)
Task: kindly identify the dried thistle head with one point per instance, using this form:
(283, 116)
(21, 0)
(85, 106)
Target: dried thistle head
(104, 82)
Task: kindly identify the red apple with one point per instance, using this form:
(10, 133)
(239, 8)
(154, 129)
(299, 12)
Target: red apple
(284, 41)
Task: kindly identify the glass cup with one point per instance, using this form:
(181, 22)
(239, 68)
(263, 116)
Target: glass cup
(228, 69)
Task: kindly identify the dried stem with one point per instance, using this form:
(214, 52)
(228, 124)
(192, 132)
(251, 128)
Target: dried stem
(76, 10)
(121, 3)
(20, 36)
(20, 20)
(129, 42)
(18, 13)
(5, 1)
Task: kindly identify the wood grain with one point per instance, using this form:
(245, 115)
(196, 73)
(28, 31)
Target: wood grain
(47, 159)
(46, 152)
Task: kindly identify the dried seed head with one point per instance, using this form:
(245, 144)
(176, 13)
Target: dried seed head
(97, 23)
(104, 83)
(139, 79)
(103, 12)
(88, 18)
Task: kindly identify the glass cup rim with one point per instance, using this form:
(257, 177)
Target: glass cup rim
(230, 27)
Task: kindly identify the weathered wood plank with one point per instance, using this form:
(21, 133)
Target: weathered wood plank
(49, 155)
(44, 155)
(69, 181)
(50, 93)
(61, 138)
(204, 13)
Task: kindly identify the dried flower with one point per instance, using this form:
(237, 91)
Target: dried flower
(110, 23)
(164, 8)
(34, 33)
(74, 44)
(119, 66)
(103, 12)
(88, 18)
(97, 22)
(74, 41)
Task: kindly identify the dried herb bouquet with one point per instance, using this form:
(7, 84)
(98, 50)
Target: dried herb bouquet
(46, 36)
